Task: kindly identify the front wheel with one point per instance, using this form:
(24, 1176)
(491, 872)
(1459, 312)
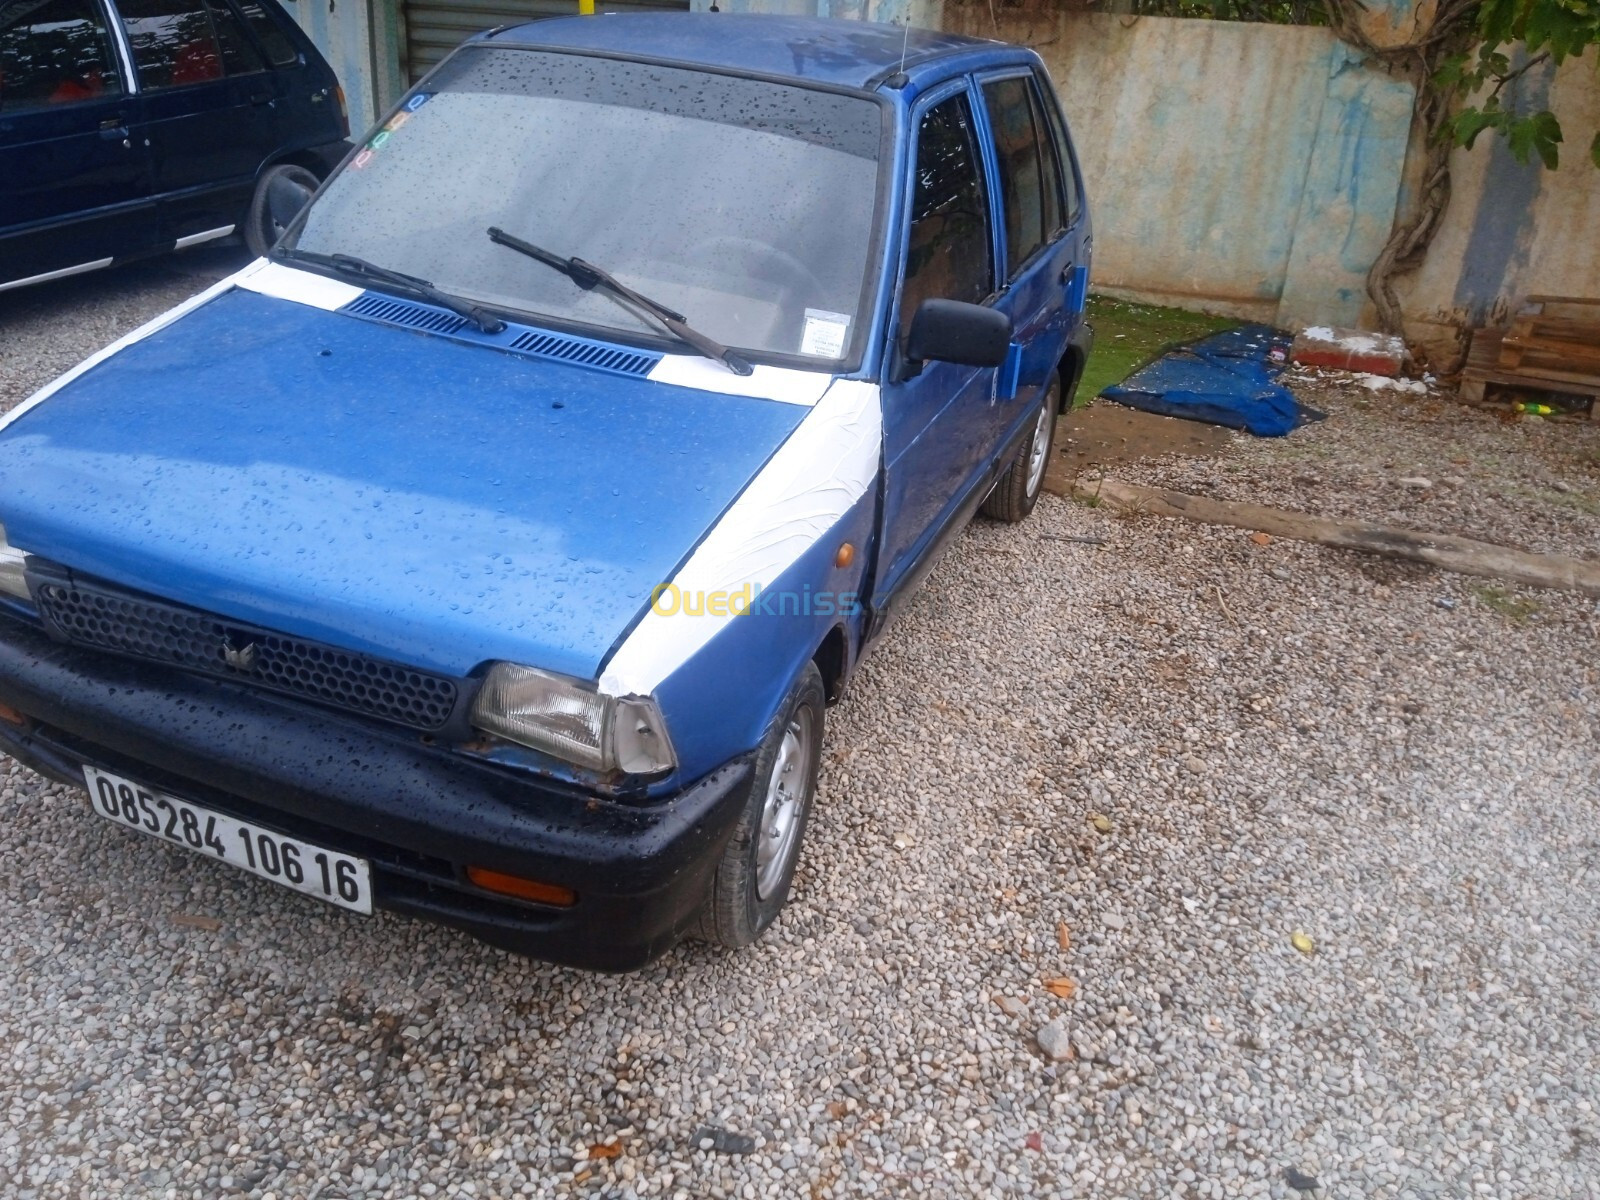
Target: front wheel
(757, 867)
(1017, 491)
(260, 231)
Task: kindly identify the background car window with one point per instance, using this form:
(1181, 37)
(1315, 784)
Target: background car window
(948, 251)
(1063, 146)
(280, 50)
(1022, 179)
(239, 55)
(54, 52)
(173, 42)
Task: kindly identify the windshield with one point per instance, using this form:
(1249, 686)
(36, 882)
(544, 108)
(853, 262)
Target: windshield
(745, 205)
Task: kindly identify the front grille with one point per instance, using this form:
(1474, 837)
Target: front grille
(93, 615)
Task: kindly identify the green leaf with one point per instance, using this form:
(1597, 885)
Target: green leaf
(1470, 122)
(1497, 20)
(1539, 134)
(1551, 23)
(1451, 71)
(1594, 150)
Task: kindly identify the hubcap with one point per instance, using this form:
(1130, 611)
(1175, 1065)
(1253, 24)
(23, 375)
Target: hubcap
(788, 791)
(1039, 452)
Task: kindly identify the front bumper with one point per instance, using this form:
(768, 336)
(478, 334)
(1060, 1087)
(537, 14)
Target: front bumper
(419, 813)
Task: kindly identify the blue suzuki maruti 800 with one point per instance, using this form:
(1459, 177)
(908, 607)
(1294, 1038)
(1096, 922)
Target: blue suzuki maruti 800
(491, 549)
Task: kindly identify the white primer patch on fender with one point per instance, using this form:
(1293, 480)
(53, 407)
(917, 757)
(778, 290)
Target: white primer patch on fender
(303, 287)
(154, 325)
(816, 476)
(783, 384)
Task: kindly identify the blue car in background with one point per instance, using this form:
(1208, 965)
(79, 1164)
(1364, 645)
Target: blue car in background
(133, 127)
(491, 550)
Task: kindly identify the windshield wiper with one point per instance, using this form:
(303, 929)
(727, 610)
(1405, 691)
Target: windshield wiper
(360, 268)
(588, 276)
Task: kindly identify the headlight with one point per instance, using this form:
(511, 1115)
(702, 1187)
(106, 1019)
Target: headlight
(570, 720)
(12, 581)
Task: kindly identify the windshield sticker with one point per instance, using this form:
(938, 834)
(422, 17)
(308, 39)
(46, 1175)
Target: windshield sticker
(825, 333)
(390, 127)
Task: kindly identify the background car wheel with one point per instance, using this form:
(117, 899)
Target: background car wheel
(260, 230)
(753, 878)
(1018, 489)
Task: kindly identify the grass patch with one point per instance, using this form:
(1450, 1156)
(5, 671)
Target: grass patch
(1127, 335)
(1514, 608)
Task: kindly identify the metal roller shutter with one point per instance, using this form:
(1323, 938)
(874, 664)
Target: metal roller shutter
(436, 27)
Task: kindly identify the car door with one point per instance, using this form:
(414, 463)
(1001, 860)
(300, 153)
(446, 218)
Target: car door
(1041, 290)
(74, 176)
(947, 250)
(208, 104)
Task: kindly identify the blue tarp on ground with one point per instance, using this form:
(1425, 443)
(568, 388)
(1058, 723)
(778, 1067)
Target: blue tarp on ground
(1228, 378)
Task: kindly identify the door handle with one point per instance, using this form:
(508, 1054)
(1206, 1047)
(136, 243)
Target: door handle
(260, 98)
(112, 129)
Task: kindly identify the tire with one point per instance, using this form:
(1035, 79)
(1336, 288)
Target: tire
(260, 231)
(748, 892)
(1017, 490)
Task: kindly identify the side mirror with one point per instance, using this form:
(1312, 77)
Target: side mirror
(956, 332)
(285, 198)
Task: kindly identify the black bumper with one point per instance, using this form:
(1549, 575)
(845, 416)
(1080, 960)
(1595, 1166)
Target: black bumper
(420, 814)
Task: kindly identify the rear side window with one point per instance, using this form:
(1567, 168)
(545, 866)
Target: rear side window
(239, 55)
(173, 42)
(1063, 146)
(54, 53)
(948, 252)
(280, 50)
(1027, 190)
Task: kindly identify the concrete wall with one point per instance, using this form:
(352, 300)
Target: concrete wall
(1252, 169)
(1514, 229)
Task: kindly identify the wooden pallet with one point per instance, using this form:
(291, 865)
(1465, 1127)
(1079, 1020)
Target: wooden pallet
(1484, 370)
(1554, 333)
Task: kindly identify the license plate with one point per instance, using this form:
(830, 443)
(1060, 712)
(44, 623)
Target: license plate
(326, 874)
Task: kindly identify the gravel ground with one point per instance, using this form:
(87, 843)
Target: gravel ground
(1422, 461)
(50, 328)
(1276, 739)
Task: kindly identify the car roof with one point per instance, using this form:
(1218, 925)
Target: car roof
(843, 53)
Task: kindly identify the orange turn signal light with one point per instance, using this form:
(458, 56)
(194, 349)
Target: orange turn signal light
(845, 556)
(522, 889)
(11, 716)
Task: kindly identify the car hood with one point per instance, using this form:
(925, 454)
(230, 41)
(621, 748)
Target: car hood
(399, 494)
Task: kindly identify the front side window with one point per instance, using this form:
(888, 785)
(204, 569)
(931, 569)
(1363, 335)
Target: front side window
(745, 205)
(52, 53)
(173, 42)
(947, 254)
(1025, 189)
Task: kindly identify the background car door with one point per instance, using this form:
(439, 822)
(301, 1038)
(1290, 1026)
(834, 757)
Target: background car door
(1040, 252)
(208, 109)
(930, 461)
(74, 176)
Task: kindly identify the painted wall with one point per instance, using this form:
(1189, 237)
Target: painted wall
(1251, 169)
(1514, 229)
